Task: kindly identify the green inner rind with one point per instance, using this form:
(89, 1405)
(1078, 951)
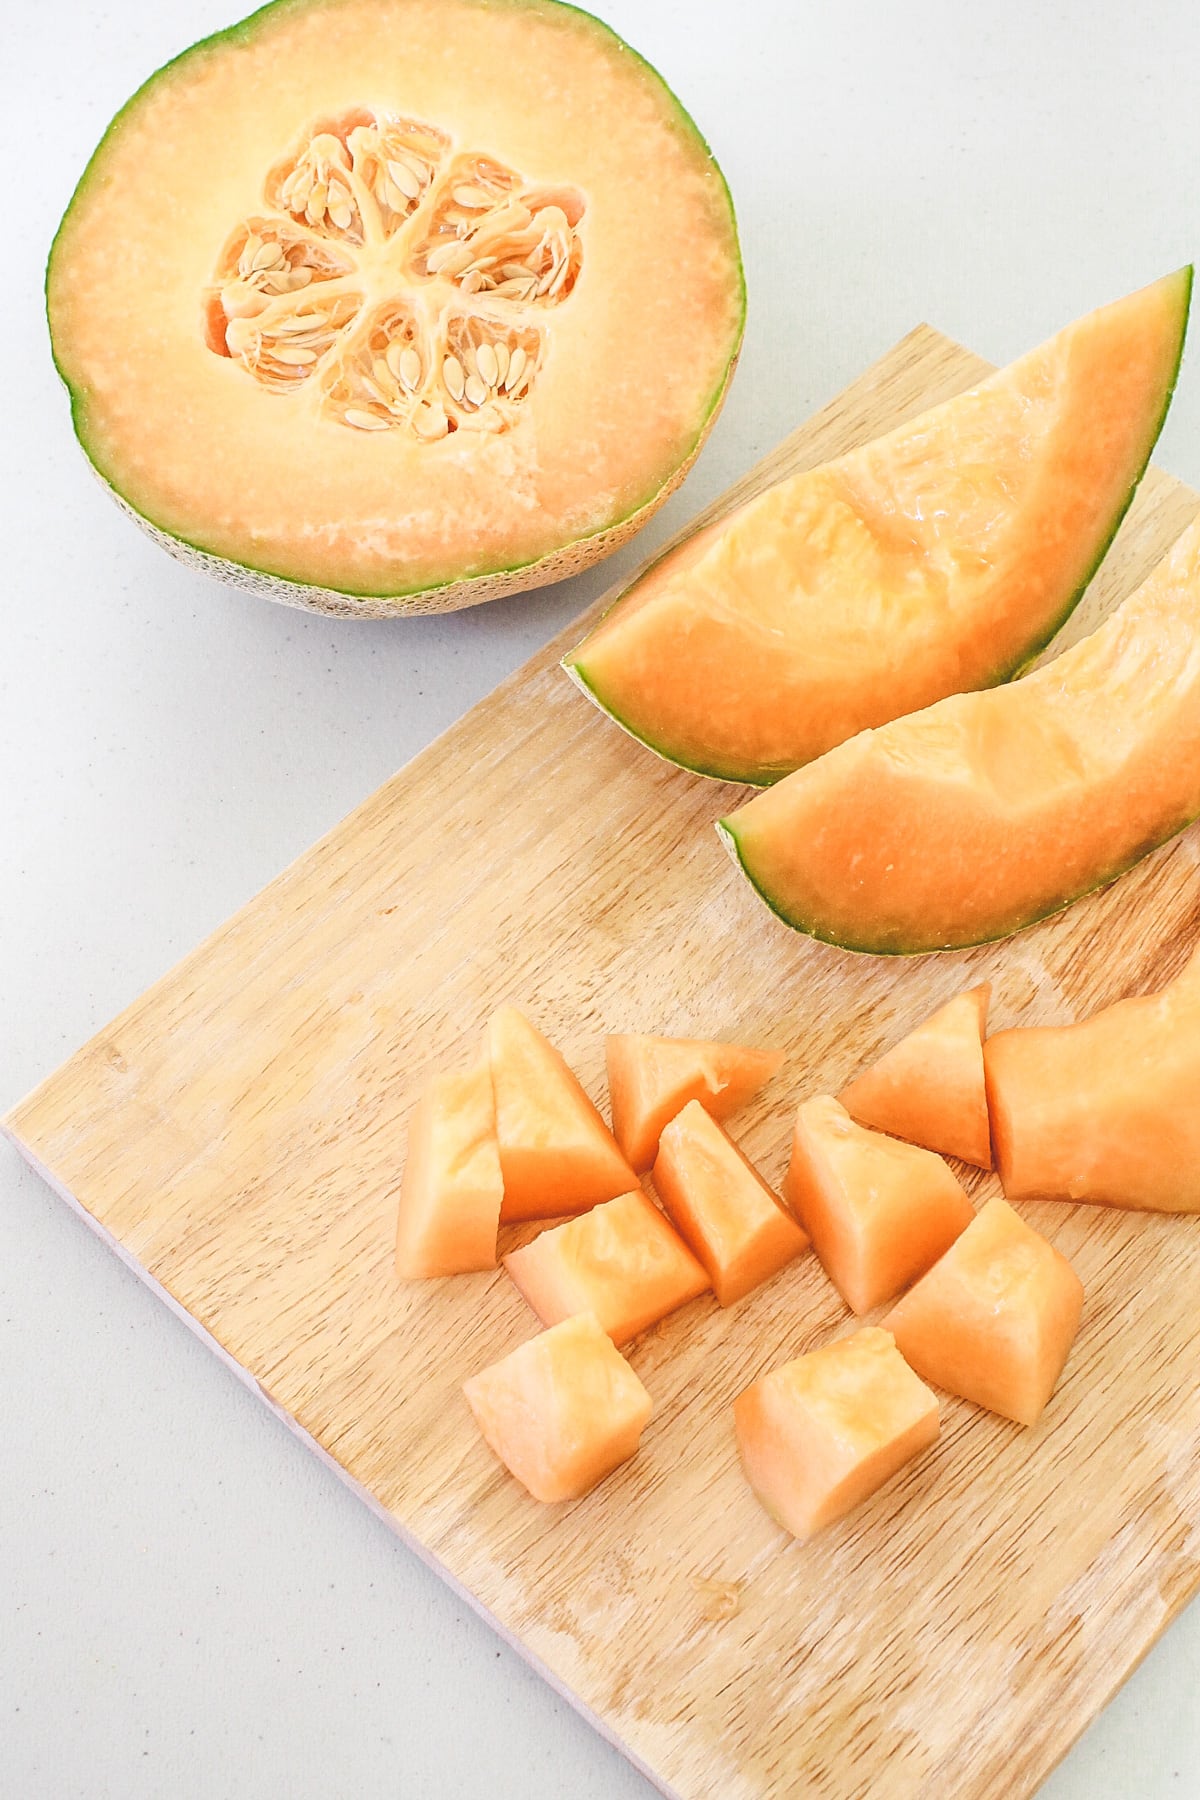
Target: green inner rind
(757, 775)
(242, 32)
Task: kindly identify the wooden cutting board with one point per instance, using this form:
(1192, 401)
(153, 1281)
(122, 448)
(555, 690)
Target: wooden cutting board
(238, 1134)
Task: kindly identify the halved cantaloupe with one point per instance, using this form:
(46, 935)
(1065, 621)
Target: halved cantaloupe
(995, 1319)
(987, 811)
(452, 1187)
(939, 558)
(562, 1411)
(379, 305)
(929, 1087)
(879, 1212)
(557, 1154)
(621, 1261)
(1106, 1110)
(722, 1206)
(651, 1079)
(819, 1435)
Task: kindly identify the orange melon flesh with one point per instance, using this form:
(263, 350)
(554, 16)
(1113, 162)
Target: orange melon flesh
(651, 1079)
(452, 1187)
(988, 811)
(1105, 1110)
(263, 467)
(929, 1087)
(562, 1411)
(557, 1154)
(938, 558)
(722, 1207)
(824, 1432)
(621, 1261)
(995, 1319)
(879, 1212)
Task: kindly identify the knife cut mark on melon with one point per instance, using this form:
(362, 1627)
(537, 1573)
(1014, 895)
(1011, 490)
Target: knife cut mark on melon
(369, 203)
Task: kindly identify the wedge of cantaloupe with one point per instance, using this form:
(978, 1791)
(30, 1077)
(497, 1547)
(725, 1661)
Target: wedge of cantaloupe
(1106, 1110)
(995, 1319)
(879, 1212)
(451, 1189)
(929, 1088)
(561, 1411)
(651, 1079)
(722, 1207)
(621, 1262)
(557, 1154)
(822, 1433)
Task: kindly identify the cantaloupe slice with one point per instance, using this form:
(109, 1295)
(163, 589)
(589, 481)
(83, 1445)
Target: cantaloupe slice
(722, 1206)
(879, 1212)
(1107, 1110)
(985, 812)
(929, 1087)
(651, 1079)
(389, 305)
(820, 1434)
(452, 1187)
(562, 1411)
(995, 1319)
(557, 1154)
(622, 1261)
(936, 559)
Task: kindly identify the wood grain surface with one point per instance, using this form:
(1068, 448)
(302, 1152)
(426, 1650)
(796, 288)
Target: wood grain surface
(239, 1133)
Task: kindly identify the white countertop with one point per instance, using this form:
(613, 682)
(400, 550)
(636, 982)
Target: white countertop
(191, 1608)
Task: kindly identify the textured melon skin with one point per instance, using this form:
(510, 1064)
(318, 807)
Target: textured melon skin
(568, 560)
(1016, 666)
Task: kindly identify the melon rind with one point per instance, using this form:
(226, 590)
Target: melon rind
(558, 565)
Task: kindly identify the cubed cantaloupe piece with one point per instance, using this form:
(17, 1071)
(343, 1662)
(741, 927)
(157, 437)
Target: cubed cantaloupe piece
(622, 1261)
(451, 1189)
(929, 1088)
(561, 1411)
(722, 1206)
(557, 1154)
(820, 1434)
(652, 1079)
(879, 1211)
(995, 1319)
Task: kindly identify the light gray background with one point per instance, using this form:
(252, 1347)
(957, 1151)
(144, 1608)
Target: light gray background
(190, 1607)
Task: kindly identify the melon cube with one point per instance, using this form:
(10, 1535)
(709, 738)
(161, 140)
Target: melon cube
(724, 1209)
(652, 1079)
(820, 1434)
(451, 1189)
(621, 1262)
(879, 1211)
(995, 1319)
(562, 1411)
(557, 1154)
(929, 1088)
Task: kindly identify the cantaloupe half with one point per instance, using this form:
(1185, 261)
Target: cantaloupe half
(1107, 1110)
(929, 1088)
(821, 1434)
(936, 559)
(380, 305)
(995, 1319)
(622, 1262)
(879, 1212)
(556, 1153)
(651, 1079)
(562, 1411)
(722, 1206)
(985, 812)
(452, 1188)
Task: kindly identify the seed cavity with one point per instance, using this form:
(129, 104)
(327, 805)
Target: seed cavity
(286, 300)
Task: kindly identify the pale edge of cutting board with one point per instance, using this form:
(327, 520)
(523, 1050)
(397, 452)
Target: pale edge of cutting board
(135, 1124)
